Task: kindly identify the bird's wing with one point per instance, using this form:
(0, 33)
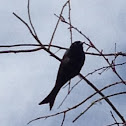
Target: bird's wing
(65, 70)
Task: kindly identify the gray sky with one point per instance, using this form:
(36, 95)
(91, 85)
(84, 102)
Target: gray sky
(28, 78)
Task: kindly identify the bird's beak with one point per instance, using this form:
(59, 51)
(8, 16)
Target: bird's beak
(82, 43)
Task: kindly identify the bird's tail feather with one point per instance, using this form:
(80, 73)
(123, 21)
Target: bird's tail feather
(50, 98)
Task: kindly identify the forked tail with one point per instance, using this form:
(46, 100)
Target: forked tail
(51, 97)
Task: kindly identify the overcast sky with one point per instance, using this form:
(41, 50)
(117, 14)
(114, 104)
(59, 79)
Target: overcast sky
(27, 78)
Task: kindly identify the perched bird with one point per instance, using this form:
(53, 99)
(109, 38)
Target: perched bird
(70, 66)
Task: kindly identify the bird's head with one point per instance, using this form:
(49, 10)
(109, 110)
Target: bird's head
(77, 45)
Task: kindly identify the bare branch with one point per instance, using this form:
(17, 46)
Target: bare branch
(64, 115)
(47, 50)
(60, 47)
(106, 99)
(29, 16)
(104, 68)
(24, 23)
(57, 24)
(21, 51)
(96, 102)
(114, 118)
(115, 124)
(70, 21)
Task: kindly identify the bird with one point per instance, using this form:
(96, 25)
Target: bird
(70, 67)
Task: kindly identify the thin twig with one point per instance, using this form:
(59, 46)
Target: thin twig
(24, 23)
(31, 45)
(21, 51)
(57, 24)
(69, 90)
(106, 99)
(105, 67)
(47, 50)
(106, 87)
(96, 102)
(69, 17)
(64, 115)
(114, 118)
(60, 47)
(116, 124)
(89, 97)
(29, 16)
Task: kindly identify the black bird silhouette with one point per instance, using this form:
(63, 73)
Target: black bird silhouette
(70, 66)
